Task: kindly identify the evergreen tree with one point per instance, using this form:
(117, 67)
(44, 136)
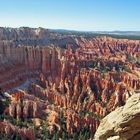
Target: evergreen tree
(64, 135)
(56, 136)
(75, 136)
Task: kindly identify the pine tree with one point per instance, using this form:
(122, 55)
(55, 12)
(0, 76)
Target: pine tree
(75, 136)
(64, 136)
(56, 136)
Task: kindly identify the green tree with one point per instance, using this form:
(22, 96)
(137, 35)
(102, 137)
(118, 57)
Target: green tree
(56, 136)
(64, 135)
(127, 69)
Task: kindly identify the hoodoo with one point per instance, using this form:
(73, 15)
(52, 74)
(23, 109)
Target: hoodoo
(64, 85)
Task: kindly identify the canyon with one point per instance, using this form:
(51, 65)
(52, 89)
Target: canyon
(74, 81)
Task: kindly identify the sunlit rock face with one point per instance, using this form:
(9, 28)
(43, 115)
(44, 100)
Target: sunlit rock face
(75, 81)
(123, 123)
(19, 62)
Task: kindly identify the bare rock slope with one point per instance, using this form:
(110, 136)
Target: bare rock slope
(123, 123)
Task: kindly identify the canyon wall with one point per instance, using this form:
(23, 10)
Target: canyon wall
(24, 52)
(19, 62)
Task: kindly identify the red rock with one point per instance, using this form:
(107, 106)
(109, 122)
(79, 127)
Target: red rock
(81, 85)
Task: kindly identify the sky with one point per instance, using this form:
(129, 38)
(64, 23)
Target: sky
(82, 15)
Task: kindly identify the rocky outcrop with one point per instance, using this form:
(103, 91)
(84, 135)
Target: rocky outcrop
(123, 123)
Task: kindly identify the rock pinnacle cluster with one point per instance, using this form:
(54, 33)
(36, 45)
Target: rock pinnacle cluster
(55, 86)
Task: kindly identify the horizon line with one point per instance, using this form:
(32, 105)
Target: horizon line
(67, 29)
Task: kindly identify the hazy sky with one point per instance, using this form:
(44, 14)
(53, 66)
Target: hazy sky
(71, 14)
